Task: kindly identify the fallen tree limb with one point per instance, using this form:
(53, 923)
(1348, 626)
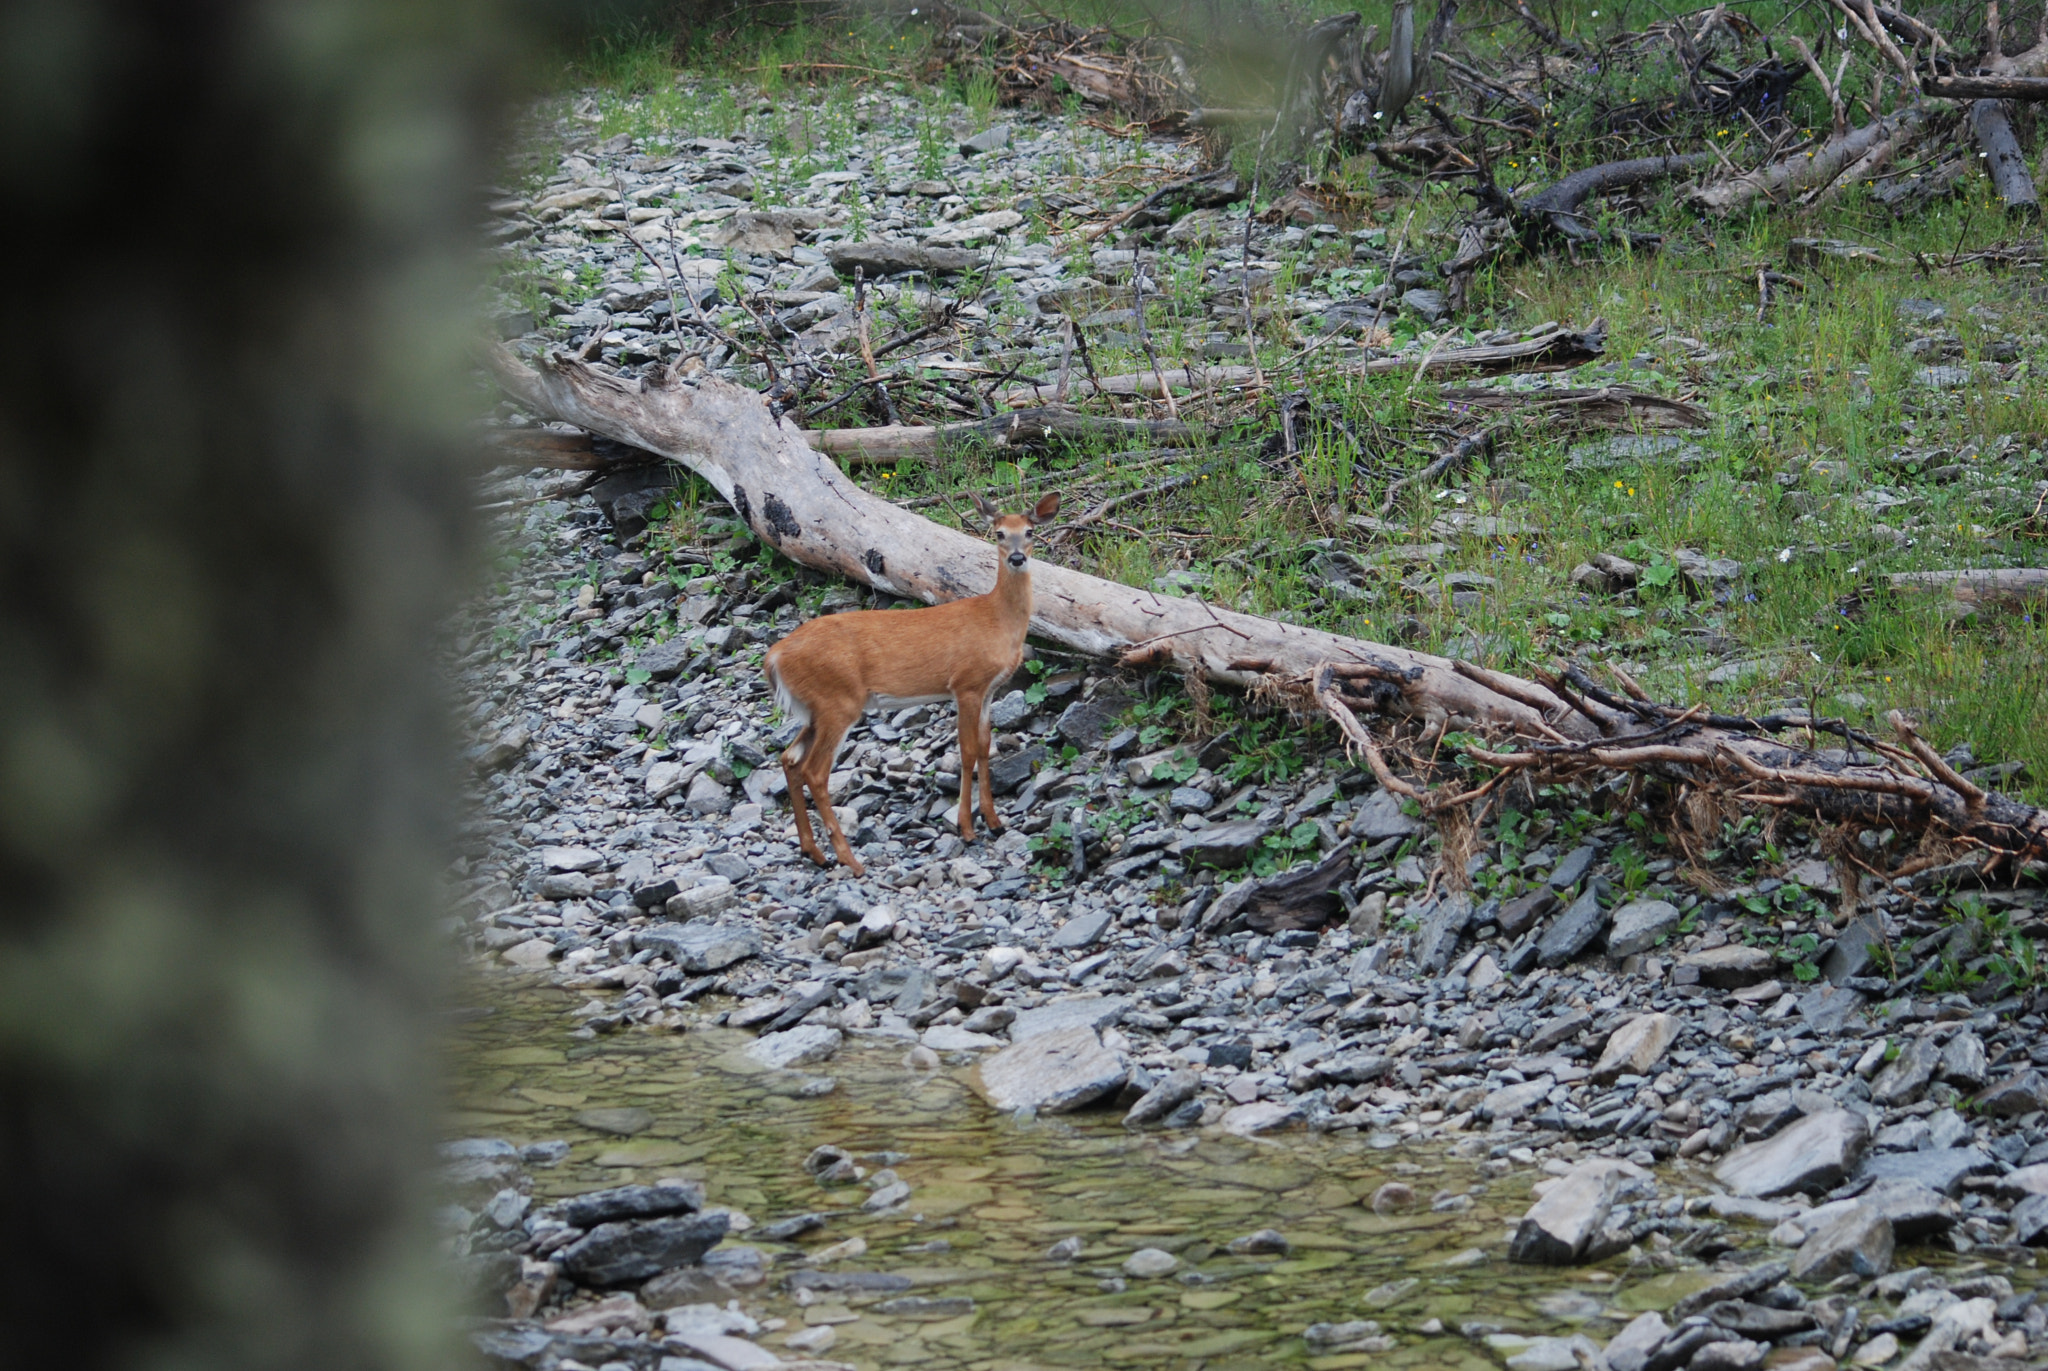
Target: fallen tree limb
(1607, 407)
(1810, 167)
(1028, 429)
(539, 447)
(1973, 586)
(1986, 87)
(800, 503)
(2003, 158)
(1559, 204)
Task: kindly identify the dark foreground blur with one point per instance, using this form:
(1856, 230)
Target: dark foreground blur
(232, 354)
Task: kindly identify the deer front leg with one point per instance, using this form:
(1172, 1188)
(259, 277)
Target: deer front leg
(988, 799)
(970, 736)
(793, 778)
(817, 765)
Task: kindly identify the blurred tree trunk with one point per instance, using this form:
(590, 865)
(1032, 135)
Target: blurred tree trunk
(227, 535)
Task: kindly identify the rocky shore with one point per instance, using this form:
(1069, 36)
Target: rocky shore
(1851, 1070)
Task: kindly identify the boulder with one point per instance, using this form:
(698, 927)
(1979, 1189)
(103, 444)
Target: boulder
(617, 1253)
(1640, 925)
(1635, 1047)
(2029, 1221)
(1566, 1225)
(631, 1202)
(1573, 931)
(1907, 1075)
(1731, 967)
(1051, 1073)
(1814, 1154)
(1379, 817)
(1940, 1169)
(804, 1045)
(700, 947)
(1858, 1242)
(1854, 949)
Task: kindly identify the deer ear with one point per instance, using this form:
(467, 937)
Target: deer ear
(988, 511)
(1047, 507)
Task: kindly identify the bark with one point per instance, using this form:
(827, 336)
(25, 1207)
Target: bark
(1808, 169)
(1560, 202)
(1608, 407)
(1972, 586)
(800, 503)
(1986, 87)
(2003, 158)
(1026, 429)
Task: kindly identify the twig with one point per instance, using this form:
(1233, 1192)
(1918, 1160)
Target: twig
(1145, 338)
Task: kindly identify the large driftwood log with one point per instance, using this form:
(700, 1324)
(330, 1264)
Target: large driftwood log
(1863, 149)
(797, 500)
(2003, 158)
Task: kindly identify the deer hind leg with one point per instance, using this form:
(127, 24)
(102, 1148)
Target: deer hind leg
(793, 776)
(815, 771)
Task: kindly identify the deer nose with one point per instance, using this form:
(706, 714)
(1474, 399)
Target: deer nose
(1017, 559)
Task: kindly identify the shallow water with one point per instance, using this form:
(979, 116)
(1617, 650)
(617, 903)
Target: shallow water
(997, 1193)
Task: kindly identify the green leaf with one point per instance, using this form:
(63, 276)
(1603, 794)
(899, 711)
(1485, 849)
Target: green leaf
(638, 675)
(1303, 834)
(740, 771)
(1659, 574)
(1557, 620)
(1035, 692)
(1805, 971)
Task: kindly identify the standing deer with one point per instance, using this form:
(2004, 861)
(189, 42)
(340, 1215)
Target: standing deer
(831, 670)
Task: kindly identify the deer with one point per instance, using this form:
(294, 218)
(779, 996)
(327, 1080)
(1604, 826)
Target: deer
(830, 671)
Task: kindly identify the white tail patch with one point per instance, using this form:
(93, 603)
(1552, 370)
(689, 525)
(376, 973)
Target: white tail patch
(792, 709)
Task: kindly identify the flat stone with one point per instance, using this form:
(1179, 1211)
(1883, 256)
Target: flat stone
(988, 140)
(631, 1202)
(1735, 1285)
(2015, 1095)
(1085, 723)
(2026, 1180)
(1858, 1242)
(1557, 1031)
(1555, 1354)
(881, 258)
(1759, 1321)
(1224, 846)
(1429, 304)
(2029, 1219)
(1636, 1046)
(622, 1122)
(663, 661)
(1915, 1211)
(1520, 914)
(1906, 1077)
(1051, 1073)
(1573, 931)
(1940, 1169)
(1814, 1154)
(1013, 709)
(1640, 925)
(1828, 1008)
(1561, 1227)
(721, 1350)
(616, 1253)
(1729, 1354)
(1379, 817)
(571, 858)
(1854, 950)
(1434, 944)
(1732, 966)
(1260, 1116)
(1631, 1347)
(1092, 1012)
(701, 946)
(946, 1037)
(1169, 1093)
(1513, 1101)
(566, 885)
(1572, 867)
(533, 954)
(702, 900)
(707, 796)
(804, 1045)
(1083, 930)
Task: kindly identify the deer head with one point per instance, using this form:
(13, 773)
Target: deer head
(1013, 531)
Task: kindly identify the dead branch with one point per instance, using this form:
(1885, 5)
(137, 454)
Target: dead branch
(1026, 429)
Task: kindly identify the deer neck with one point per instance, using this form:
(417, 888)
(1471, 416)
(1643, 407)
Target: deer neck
(1012, 594)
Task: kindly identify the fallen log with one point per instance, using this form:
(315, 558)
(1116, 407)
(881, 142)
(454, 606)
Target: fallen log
(799, 502)
(1607, 407)
(1557, 349)
(1813, 167)
(538, 447)
(2003, 158)
(1558, 205)
(1027, 430)
(1986, 87)
(1970, 587)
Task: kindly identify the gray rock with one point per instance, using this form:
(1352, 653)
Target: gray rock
(1173, 1090)
(617, 1253)
(1052, 1073)
(701, 946)
(1189, 799)
(1429, 304)
(1732, 966)
(1940, 1168)
(804, 1045)
(1736, 1285)
(1907, 1075)
(1828, 1008)
(1573, 931)
(988, 140)
(1083, 930)
(565, 885)
(1853, 950)
(1434, 944)
(1915, 1211)
(1265, 1242)
(1569, 871)
(1921, 311)
(1562, 1227)
(1814, 1154)
(702, 900)
(1379, 817)
(1561, 1029)
(886, 258)
(1759, 1321)
(1520, 914)
(1631, 1347)
(663, 661)
(1964, 1063)
(2029, 1219)
(1635, 1047)
(2015, 1095)
(1729, 1354)
(707, 796)
(1092, 1012)
(1639, 925)
(1011, 710)
(1858, 1242)
(631, 1202)
(1085, 723)
(1224, 846)
(1148, 1262)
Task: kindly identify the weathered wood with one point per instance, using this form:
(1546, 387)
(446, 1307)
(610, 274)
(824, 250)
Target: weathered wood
(1028, 429)
(1811, 167)
(1559, 203)
(1986, 87)
(1607, 407)
(1972, 586)
(538, 447)
(800, 503)
(2003, 158)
